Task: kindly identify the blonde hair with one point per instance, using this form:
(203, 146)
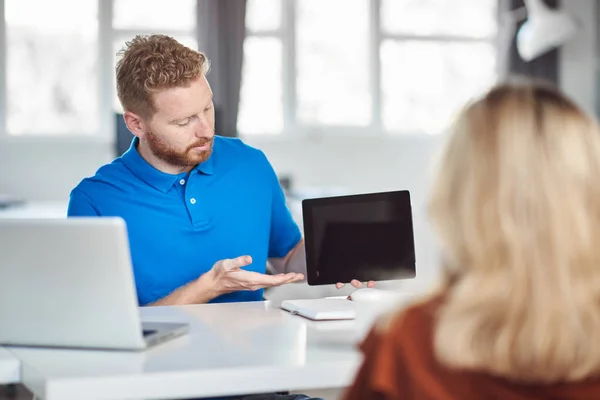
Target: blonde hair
(148, 64)
(516, 205)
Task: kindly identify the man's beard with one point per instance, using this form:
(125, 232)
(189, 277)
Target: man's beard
(177, 158)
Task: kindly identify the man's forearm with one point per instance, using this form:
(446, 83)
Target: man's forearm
(294, 261)
(202, 290)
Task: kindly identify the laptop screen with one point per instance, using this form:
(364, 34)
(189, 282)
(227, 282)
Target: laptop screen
(365, 237)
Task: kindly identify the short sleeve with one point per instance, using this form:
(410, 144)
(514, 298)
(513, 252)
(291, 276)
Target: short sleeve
(284, 232)
(81, 205)
(382, 375)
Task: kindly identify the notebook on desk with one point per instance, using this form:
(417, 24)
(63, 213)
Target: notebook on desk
(321, 309)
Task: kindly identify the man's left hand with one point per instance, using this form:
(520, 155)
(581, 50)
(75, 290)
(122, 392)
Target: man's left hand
(357, 284)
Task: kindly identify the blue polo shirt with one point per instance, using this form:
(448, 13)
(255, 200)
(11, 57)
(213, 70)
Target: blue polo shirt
(179, 226)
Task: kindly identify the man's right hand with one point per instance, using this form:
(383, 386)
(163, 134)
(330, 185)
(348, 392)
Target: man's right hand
(228, 276)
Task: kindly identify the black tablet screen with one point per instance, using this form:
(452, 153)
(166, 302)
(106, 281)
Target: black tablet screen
(365, 237)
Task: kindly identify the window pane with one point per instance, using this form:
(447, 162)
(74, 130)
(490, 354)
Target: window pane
(472, 18)
(332, 62)
(261, 96)
(263, 15)
(155, 14)
(425, 83)
(119, 43)
(52, 67)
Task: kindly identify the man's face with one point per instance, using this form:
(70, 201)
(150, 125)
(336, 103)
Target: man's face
(181, 132)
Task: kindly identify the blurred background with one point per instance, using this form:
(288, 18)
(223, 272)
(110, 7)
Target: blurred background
(343, 96)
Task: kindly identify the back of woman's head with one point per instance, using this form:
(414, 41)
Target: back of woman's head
(516, 205)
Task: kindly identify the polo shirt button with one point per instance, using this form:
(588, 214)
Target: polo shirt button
(193, 200)
(182, 182)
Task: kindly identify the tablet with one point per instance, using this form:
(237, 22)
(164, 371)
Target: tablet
(364, 237)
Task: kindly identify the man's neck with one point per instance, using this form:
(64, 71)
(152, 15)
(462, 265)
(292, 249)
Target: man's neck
(157, 163)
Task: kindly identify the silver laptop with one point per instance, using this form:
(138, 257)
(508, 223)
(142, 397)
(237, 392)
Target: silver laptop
(69, 283)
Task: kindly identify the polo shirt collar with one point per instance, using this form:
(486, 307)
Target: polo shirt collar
(206, 167)
(155, 178)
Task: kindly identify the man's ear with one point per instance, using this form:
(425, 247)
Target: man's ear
(135, 124)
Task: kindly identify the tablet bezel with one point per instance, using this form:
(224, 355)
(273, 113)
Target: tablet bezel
(312, 269)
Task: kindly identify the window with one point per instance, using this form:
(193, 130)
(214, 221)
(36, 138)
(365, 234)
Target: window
(332, 80)
(59, 66)
(399, 66)
(261, 94)
(160, 15)
(435, 56)
(51, 67)
(351, 65)
(262, 91)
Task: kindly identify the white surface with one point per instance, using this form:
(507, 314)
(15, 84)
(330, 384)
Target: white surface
(35, 210)
(321, 309)
(232, 349)
(9, 368)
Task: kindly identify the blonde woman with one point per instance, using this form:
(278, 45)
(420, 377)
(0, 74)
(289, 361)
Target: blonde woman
(516, 206)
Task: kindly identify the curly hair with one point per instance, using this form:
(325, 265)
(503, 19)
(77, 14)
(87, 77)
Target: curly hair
(148, 64)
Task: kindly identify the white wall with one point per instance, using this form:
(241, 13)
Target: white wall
(47, 169)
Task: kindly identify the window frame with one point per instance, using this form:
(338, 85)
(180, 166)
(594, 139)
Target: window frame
(377, 35)
(105, 131)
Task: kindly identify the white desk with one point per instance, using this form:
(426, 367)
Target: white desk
(232, 349)
(10, 368)
(36, 210)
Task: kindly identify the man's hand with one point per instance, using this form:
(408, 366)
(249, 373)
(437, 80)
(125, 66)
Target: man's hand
(228, 276)
(356, 284)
